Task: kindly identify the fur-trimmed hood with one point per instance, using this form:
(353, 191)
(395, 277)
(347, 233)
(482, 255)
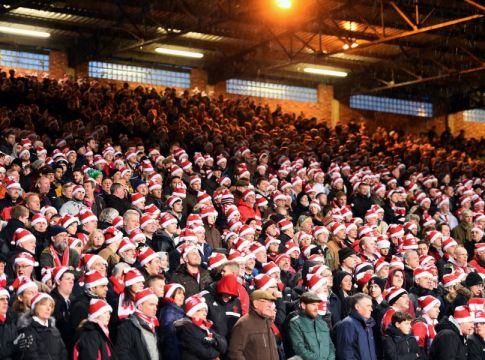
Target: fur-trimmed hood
(460, 289)
(26, 319)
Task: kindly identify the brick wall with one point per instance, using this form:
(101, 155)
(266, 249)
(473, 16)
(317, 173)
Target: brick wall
(472, 129)
(58, 64)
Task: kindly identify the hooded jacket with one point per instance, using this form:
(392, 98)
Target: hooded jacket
(449, 343)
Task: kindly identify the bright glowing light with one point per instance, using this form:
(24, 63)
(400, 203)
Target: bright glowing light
(350, 25)
(345, 46)
(354, 45)
(318, 71)
(23, 32)
(182, 53)
(284, 4)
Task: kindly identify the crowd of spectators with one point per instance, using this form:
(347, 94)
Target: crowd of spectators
(139, 224)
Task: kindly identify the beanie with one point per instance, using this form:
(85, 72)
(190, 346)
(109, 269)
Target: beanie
(473, 278)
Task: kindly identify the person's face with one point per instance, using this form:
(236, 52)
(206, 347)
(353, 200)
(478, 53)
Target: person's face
(460, 255)
(384, 251)
(349, 262)
(66, 283)
(24, 270)
(27, 295)
(58, 174)
(468, 219)
(99, 266)
(340, 234)
(104, 318)
(413, 260)
(98, 239)
(179, 297)
(434, 312)
(178, 207)
(40, 227)
(347, 283)
(477, 290)
(370, 246)
(425, 282)
(33, 204)
(154, 267)
(193, 258)
(44, 185)
(480, 330)
(77, 177)
(196, 186)
(106, 185)
(466, 328)
(264, 308)
(3, 305)
(100, 290)
(398, 279)
(150, 228)
(149, 308)
(10, 139)
(422, 249)
(44, 309)
(375, 291)
(200, 314)
(383, 272)
(342, 201)
(310, 309)
(404, 326)
(157, 287)
(364, 308)
(2, 267)
(14, 193)
(402, 303)
(364, 190)
(129, 256)
(131, 222)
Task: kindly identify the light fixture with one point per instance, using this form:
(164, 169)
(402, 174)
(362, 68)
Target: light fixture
(284, 4)
(328, 72)
(182, 53)
(23, 32)
(352, 45)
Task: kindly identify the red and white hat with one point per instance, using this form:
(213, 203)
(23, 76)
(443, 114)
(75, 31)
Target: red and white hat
(146, 255)
(144, 295)
(315, 282)
(37, 219)
(317, 230)
(216, 260)
(154, 185)
(396, 263)
(478, 230)
(93, 279)
(146, 220)
(172, 200)
(395, 230)
(21, 284)
(188, 235)
(479, 248)
(137, 198)
(194, 304)
(421, 272)
(336, 227)
(37, 298)
(125, 245)
(132, 276)
(479, 317)
(264, 282)
(137, 236)
(78, 188)
(4, 292)
(112, 235)
(86, 215)
(167, 219)
(87, 260)
(448, 243)
(433, 235)
(194, 179)
(426, 303)
(57, 273)
(270, 268)
(26, 259)
(22, 235)
(98, 307)
(476, 304)
(261, 201)
(462, 314)
(451, 279)
(285, 224)
(67, 220)
(383, 242)
(117, 222)
(208, 210)
(271, 240)
(169, 290)
(410, 242)
(246, 230)
(380, 263)
(290, 247)
(393, 293)
(12, 184)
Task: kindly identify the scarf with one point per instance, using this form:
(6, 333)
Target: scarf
(125, 307)
(102, 326)
(275, 330)
(205, 325)
(3, 317)
(152, 323)
(57, 260)
(3, 280)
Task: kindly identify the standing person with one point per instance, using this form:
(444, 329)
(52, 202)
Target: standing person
(398, 343)
(252, 337)
(172, 310)
(476, 341)
(309, 333)
(354, 334)
(47, 342)
(450, 341)
(136, 338)
(94, 342)
(424, 327)
(197, 340)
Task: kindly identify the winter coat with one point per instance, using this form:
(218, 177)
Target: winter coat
(223, 315)
(190, 339)
(476, 347)
(130, 344)
(212, 236)
(462, 233)
(310, 338)
(47, 342)
(93, 344)
(398, 346)
(192, 287)
(360, 205)
(47, 260)
(80, 310)
(252, 339)
(355, 338)
(8, 333)
(167, 333)
(115, 202)
(448, 344)
(247, 211)
(6, 235)
(62, 314)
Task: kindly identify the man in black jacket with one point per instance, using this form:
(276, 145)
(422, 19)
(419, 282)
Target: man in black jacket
(476, 341)
(361, 201)
(450, 341)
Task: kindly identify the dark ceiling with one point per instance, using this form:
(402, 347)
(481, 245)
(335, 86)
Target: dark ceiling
(421, 49)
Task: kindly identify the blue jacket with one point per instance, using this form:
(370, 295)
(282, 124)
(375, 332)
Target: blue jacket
(355, 339)
(168, 336)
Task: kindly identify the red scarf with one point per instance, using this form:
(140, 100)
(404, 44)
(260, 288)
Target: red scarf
(151, 322)
(275, 330)
(3, 317)
(204, 325)
(3, 280)
(57, 261)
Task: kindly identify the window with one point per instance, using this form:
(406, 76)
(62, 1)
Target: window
(392, 105)
(272, 91)
(475, 115)
(24, 60)
(139, 74)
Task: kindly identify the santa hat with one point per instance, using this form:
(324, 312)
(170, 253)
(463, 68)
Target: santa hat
(270, 268)
(194, 304)
(169, 290)
(426, 303)
(476, 304)
(94, 278)
(285, 224)
(4, 292)
(317, 230)
(87, 260)
(462, 314)
(112, 235)
(145, 295)
(154, 185)
(315, 282)
(57, 273)
(146, 255)
(22, 235)
(86, 215)
(380, 263)
(208, 210)
(451, 279)
(136, 235)
(261, 201)
(216, 260)
(26, 259)
(409, 243)
(67, 220)
(125, 245)
(246, 230)
(167, 219)
(479, 317)
(145, 220)
(37, 298)
(271, 240)
(478, 230)
(393, 293)
(188, 235)
(421, 272)
(449, 243)
(78, 188)
(21, 284)
(132, 276)
(290, 247)
(117, 222)
(37, 219)
(172, 200)
(395, 230)
(137, 198)
(383, 242)
(479, 247)
(433, 235)
(264, 282)
(396, 263)
(12, 184)
(336, 227)
(98, 307)
(256, 247)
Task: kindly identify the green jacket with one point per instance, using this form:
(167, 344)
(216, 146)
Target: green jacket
(310, 338)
